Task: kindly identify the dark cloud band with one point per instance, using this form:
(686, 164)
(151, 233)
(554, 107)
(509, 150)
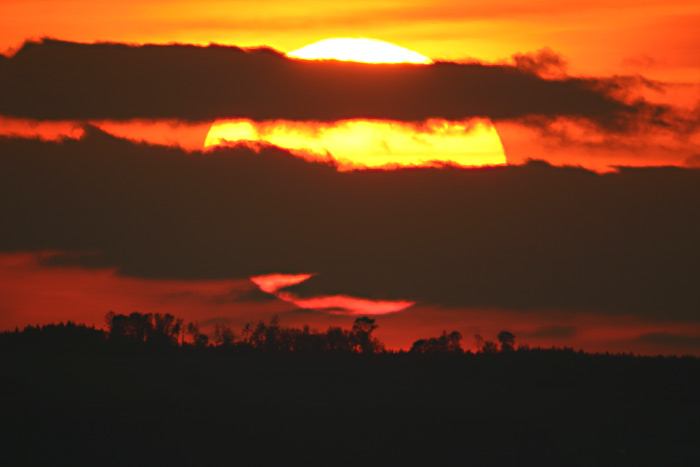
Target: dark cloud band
(57, 80)
(531, 236)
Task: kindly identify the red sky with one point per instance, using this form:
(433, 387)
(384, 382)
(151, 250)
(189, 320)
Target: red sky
(33, 294)
(653, 37)
(641, 54)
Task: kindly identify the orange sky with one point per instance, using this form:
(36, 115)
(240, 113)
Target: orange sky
(655, 37)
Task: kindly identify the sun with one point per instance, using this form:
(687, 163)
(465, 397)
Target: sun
(356, 144)
(361, 143)
(359, 50)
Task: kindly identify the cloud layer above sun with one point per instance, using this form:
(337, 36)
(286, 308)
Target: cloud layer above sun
(538, 110)
(63, 81)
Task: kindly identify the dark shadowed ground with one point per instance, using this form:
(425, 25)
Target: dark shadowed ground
(187, 408)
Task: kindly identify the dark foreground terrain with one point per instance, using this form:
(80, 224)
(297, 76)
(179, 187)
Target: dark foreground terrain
(190, 408)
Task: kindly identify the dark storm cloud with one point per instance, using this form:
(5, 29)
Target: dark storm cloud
(69, 81)
(531, 236)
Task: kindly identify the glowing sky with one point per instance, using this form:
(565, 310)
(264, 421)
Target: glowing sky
(334, 304)
(374, 143)
(594, 84)
(597, 36)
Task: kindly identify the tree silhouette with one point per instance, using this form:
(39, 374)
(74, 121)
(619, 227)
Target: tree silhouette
(446, 343)
(361, 336)
(159, 330)
(223, 336)
(337, 340)
(201, 341)
(507, 341)
(454, 342)
(140, 325)
(165, 329)
(479, 342)
(364, 325)
(132, 328)
(256, 337)
(192, 330)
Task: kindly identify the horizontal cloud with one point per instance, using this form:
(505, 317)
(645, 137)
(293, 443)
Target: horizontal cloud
(516, 237)
(71, 81)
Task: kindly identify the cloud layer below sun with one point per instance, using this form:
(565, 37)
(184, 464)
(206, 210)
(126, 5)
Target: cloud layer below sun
(605, 261)
(516, 237)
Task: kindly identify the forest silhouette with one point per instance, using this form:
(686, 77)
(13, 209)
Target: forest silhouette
(159, 332)
(148, 331)
(151, 389)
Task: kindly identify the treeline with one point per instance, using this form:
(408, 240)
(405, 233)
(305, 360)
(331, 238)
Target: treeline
(452, 343)
(165, 331)
(54, 337)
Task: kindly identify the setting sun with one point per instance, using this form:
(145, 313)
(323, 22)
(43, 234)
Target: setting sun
(365, 143)
(359, 50)
(360, 143)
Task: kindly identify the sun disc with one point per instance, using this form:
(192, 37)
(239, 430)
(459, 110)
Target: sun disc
(359, 50)
(367, 143)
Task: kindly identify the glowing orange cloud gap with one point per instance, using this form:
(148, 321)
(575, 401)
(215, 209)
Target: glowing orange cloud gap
(334, 304)
(356, 144)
